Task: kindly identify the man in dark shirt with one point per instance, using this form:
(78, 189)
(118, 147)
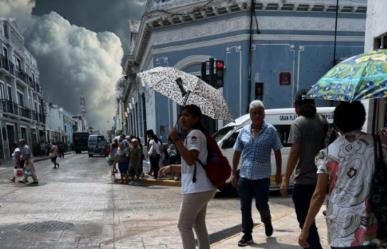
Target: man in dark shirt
(307, 136)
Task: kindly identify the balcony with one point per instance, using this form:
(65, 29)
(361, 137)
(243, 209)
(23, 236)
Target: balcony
(7, 65)
(22, 75)
(7, 106)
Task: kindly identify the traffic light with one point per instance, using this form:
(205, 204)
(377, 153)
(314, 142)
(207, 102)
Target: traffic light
(211, 76)
(204, 72)
(219, 75)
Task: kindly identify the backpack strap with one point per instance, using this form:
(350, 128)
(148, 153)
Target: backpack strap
(194, 174)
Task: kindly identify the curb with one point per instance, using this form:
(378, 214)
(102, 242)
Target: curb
(152, 182)
(36, 159)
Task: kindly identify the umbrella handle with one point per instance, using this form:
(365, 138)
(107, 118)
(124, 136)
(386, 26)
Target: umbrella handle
(186, 97)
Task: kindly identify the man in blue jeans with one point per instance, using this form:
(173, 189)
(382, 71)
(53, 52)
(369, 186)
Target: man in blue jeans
(254, 144)
(307, 136)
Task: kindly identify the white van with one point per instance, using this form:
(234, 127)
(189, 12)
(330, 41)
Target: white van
(281, 119)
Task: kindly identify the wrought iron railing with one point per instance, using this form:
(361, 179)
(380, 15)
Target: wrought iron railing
(8, 106)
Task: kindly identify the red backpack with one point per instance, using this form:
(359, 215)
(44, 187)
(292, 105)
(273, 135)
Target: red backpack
(218, 168)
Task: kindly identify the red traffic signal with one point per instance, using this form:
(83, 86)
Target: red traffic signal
(219, 64)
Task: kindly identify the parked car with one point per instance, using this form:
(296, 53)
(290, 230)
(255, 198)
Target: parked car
(97, 145)
(281, 119)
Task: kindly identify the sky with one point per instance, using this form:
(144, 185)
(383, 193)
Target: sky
(79, 45)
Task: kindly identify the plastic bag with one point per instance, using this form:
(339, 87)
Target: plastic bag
(109, 160)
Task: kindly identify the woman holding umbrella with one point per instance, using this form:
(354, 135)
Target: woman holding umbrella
(345, 170)
(196, 194)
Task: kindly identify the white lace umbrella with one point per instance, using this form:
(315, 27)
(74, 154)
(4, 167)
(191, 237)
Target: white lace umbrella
(191, 90)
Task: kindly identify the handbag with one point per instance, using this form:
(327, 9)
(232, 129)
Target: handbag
(378, 193)
(18, 172)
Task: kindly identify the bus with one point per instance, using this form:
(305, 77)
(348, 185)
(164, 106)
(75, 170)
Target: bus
(80, 141)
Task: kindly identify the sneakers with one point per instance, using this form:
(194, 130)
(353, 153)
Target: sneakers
(268, 229)
(34, 183)
(245, 240)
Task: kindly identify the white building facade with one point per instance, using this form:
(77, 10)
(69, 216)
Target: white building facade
(59, 125)
(376, 37)
(21, 100)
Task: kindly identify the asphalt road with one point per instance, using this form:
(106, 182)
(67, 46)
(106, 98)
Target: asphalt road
(78, 206)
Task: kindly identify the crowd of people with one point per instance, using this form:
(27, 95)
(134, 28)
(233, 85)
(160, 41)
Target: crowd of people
(339, 171)
(127, 156)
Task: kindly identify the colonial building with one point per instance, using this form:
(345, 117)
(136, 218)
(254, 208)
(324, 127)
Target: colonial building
(21, 99)
(376, 37)
(270, 50)
(59, 125)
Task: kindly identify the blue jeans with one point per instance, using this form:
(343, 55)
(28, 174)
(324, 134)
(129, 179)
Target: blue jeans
(258, 189)
(302, 194)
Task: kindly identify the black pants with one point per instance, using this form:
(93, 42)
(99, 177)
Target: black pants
(248, 190)
(302, 194)
(154, 161)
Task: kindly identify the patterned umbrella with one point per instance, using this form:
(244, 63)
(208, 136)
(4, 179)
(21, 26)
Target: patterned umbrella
(360, 77)
(184, 88)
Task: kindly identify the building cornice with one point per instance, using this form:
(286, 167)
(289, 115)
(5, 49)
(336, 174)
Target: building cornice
(191, 12)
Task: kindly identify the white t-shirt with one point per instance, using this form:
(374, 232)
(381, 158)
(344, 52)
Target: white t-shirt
(153, 148)
(195, 140)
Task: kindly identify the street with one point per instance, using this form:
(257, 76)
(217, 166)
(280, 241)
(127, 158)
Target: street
(77, 206)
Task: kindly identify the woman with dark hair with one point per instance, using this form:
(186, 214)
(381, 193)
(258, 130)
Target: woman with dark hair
(197, 192)
(345, 169)
(153, 152)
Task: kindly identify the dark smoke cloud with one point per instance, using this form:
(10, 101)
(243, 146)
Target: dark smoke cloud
(20, 10)
(75, 56)
(96, 15)
(75, 61)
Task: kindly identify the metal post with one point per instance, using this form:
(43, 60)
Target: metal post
(335, 39)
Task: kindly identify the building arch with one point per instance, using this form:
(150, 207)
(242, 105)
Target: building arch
(191, 60)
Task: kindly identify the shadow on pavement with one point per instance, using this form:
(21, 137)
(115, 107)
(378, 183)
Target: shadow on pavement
(225, 233)
(273, 243)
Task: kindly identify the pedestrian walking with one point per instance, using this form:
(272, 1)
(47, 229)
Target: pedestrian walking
(307, 137)
(345, 169)
(113, 152)
(26, 160)
(61, 149)
(197, 192)
(154, 152)
(254, 144)
(122, 158)
(172, 152)
(16, 158)
(53, 154)
(135, 160)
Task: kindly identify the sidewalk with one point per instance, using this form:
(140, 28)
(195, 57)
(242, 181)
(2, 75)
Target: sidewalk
(285, 234)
